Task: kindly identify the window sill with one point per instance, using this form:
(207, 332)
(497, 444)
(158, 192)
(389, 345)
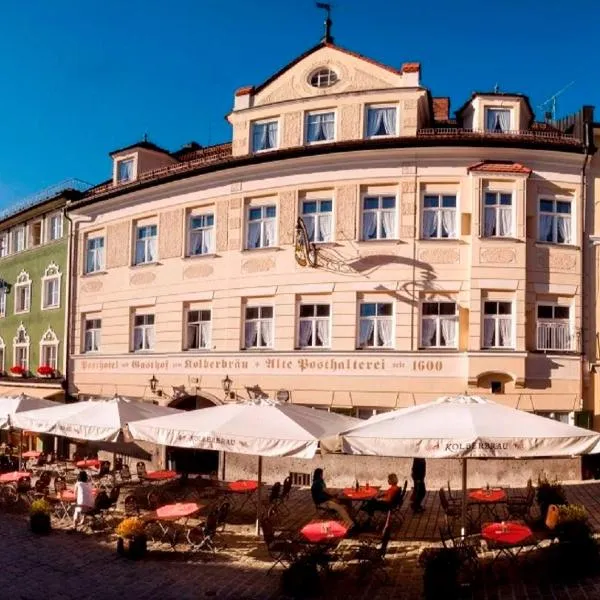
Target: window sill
(495, 350)
(540, 244)
(456, 240)
(311, 349)
(141, 351)
(50, 307)
(265, 249)
(375, 349)
(505, 239)
(383, 241)
(201, 256)
(148, 264)
(557, 352)
(21, 312)
(265, 150)
(94, 273)
(319, 142)
(325, 244)
(436, 349)
(197, 350)
(257, 350)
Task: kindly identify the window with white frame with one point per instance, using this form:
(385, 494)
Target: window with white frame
(317, 216)
(49, 350)
(497, 120)
(320, 127)
(55, 227)
(554, 221)
(2, 301)
(4, 245)
(262, 225)
(124, 170)
(18, 239)
(94, 254)
(439, 325)
(497, 324)
(322, 78)
(2, 355)
(381, 121)
(21, 348)
(314, 326)
(264, 136)
(258, 327)
(376, 325)
(35, 234)
(497, 214)
(439, 216)
(379, 217)
(23, 293)
(554, 327)
(143, 332)
(198, 329)
(92, 335)
(51, 287)
(145, 244)
(202, 234)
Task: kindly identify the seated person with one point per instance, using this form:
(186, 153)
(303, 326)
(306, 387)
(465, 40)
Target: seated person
(323, 498)
(385, 502)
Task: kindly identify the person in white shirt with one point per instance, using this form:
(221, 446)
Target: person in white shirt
(84, 498)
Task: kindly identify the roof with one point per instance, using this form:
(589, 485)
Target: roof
(407, 67)
(146, 145)
(499, 95)
(500, 167)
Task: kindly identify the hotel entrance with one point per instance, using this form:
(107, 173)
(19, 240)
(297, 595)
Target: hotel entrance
(183, 460)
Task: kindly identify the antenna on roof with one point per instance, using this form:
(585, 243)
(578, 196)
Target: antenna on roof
(549, 106)
(327, 38)
(145, 137)
(496, 89)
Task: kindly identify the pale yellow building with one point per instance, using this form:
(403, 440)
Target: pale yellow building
(444, 255)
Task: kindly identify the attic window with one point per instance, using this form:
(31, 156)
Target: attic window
(322, 78)
(124, 170)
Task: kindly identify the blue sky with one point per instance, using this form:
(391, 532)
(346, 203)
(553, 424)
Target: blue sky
(81, 78)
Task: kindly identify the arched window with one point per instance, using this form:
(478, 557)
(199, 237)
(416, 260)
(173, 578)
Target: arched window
(21, 348)
(49, 350)
(322, 78)
(23, 293)
(51, 287)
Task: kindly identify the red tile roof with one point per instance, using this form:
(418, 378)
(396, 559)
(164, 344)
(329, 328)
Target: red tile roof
(441, 108)
(500, 167)
(248, 89)
(411, 67)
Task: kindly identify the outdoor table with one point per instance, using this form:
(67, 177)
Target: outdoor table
(506, 538)
(486, 501)
(64, 501)
(168, 514)
(13, 476)
(318, 532)
(161, 475)
(243, 487)
(361, 494)
(90, 463)
(31, 454)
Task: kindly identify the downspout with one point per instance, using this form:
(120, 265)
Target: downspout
(68, 308)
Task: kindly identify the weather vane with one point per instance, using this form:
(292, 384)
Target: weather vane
(327, 38)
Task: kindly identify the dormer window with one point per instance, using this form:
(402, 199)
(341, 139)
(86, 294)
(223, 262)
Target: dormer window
(323, 78)
(264, 136)
(320, 127)
(124, 170)
(381, 121)
(497, 120)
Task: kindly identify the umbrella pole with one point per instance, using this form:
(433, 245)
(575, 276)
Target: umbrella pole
(258, 495)
(463, 530)
(20, 449)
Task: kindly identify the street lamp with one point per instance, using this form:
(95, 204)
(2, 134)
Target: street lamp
(153, 384)
(226, 383)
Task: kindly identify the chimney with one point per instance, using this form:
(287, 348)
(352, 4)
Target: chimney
(441, 109)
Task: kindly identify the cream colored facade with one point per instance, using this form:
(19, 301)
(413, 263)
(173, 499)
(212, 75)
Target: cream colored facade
(463, 300)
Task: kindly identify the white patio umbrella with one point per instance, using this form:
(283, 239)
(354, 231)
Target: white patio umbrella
(94, 420)
(262, 428)
(466, 427)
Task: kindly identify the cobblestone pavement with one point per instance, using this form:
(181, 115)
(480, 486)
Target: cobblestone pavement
(81, 566)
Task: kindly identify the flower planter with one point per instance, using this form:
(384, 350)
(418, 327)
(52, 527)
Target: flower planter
(40, 523)
(132, 547)
(11, 374)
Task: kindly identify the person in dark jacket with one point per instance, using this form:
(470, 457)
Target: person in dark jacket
(418, 476)
(323, 497)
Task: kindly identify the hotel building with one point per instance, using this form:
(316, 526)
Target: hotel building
(354, 247)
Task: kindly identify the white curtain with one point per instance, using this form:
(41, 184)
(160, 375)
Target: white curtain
(369, 225)
(204, 331)
(384, 328)
(545, 232)
(430, 223)
(193, 336)
(196, 242)
(505, 327)
(365, 331)
(327, 127)
(323, 332)
(253, 234)
(250, 334)
(260, 137)
(448, 331)
(505, 228)
(449, 223)
(374, 118)
(99, 258)
(90, 266)
(489, 224)
(269, 233)
(325, 228)
(267, 333)
(504, 120)
(388, 218)
(140, 252)
(488, 332)
(427, 332)
(564, 228)
(389, 120)
(271, 135)
(149, 337)
(138, 338)
(490, 120)
(152, 249)
(309, 221)
(305, 333)
(208, 236)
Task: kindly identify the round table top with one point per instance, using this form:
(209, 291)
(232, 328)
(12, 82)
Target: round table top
(362, 493)
(31, 454)
(161, 475)
(178, 510)
(243, 486)
(507, 533)
(90, 462)
(321, 531)
(69, 495)
(13, 476)
(485, 495)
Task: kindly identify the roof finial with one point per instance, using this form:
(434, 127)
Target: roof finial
(496, 89)
(327, 38)
(145, 137)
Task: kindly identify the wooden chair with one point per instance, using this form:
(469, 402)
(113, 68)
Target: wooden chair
(131, 507)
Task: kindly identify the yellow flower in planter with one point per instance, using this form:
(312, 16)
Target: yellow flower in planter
(130, 527)
(40, 507)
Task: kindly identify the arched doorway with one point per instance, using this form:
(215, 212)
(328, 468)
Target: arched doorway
(184, 460)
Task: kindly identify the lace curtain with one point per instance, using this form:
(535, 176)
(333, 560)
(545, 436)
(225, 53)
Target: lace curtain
(488, 332)
(505, 329)
(324, 228)
(430, 223)
(305, 333)
(564, 229)
(365, 332)
(427, 333)
(388, 218)
(545, 233)
(266, 329)
(381, 121)
(269, 233)
(253, 234)
(448, 330)
(384, 329)
(369, 225)
(323, 332)
(251, 334)
(449, 223)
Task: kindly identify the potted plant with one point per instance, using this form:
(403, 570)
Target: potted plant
(39, 517)
(45, 371)
(440, 576)
(131, 540)
(17, 371)
(577, 548)
(549, 492)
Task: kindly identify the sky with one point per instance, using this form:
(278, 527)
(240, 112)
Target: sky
(79, 79)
